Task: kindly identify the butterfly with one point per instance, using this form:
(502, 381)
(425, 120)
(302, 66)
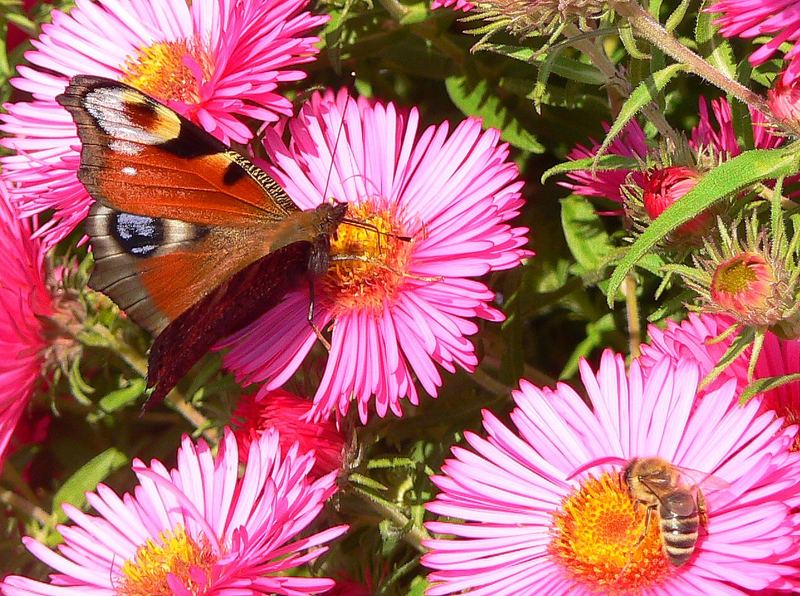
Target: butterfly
(191, 239)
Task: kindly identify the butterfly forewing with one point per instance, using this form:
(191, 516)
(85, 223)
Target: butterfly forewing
(179, 216)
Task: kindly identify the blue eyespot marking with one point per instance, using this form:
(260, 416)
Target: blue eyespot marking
(139, 235)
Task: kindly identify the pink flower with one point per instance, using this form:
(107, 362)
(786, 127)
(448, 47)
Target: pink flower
(546, 509)
(24, 301)
(407, 304)
(216, 62)
(284, 412)
(718, 135)
(457, 4)
(784, 101)
(756, 18)
(712, 135)
(195, 529)
(631, 142)
(694, 339)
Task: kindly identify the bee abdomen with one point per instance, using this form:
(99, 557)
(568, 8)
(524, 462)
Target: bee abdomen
(679, 522)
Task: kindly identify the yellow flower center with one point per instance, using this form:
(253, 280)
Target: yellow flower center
(170, 70)
(175, 554)
(369, 261)
(600, 539)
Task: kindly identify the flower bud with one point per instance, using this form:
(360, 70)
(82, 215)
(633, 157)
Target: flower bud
(784, 101)
(663, 187)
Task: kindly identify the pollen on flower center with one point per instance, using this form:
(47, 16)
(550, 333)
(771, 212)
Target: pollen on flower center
(176, 555)
(170, 70)
(369, 261)
(742, 282)
(599, 539)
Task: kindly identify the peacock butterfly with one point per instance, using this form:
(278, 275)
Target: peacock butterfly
(190, 238)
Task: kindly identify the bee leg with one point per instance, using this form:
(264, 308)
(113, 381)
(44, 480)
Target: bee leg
(648, 514)
(701, 508)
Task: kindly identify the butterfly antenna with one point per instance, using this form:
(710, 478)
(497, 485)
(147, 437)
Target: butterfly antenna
(336, 142)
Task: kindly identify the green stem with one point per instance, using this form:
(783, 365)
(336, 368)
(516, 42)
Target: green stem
(646, 27)
(390, 511)
(24, 506)
(394, 8)
(174, 398)
(616, 81)
(632, 310)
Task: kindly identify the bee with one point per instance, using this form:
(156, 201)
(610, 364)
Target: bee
(681, 509)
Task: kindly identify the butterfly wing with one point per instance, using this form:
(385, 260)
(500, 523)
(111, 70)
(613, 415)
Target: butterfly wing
(231, 306)
(177, 212)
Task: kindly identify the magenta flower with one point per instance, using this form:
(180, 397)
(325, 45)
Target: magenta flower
(25, 301)
(196, 529)
(285, 412)
(407, 305)
(457, 4)
(777, 19)
(216, 62)
(711, 135)
(631, 142)
(546, 510)
(695, 339)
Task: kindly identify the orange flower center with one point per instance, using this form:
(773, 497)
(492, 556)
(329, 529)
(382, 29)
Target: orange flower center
(176, 555)
(600, 539)
(170, 70)
(369, 262)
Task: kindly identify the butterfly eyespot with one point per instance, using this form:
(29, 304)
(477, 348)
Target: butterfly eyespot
(139, 235)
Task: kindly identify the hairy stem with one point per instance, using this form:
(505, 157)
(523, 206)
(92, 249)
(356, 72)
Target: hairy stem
(387, 510)
(632, 311)
(618, 84)
(174, 398)
(24, 506)
(646, 27)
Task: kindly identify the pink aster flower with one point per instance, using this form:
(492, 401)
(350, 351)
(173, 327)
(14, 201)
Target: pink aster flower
(777, 19)
(696, 339)
(408, 303)
(784, 101)
(457, 4)
(285, 412)
(24, 301)
(196, 529)
(547, 510)
(607, 184)
(215, 61)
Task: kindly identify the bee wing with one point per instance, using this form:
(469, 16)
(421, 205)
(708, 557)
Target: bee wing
(697, 479)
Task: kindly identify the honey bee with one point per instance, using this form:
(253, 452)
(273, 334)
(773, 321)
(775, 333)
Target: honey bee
(657, 484)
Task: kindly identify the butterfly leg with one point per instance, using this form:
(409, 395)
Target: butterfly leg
(310, 316)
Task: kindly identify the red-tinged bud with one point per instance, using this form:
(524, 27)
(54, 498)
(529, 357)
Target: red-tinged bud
(784, 101)
(743, 284)
(286, 413)
(663, 187)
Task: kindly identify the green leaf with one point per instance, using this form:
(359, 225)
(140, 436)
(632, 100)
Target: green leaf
(766, 384)
(738, 346)
(645, 92)
(86, 479)
(677, 15)
(724, 180)
(120, 398)
(584, 231)
(606, 162)
(474, 98)
(562, 66)
(716, 50)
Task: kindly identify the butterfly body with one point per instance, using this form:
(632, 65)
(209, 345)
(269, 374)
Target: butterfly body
(190, 238)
